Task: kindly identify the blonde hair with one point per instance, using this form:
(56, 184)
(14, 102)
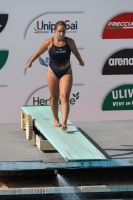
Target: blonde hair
(59, 23)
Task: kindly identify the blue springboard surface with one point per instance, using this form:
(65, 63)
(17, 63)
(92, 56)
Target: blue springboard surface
(71, 144)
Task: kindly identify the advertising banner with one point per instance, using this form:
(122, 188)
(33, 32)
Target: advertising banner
(101, 90)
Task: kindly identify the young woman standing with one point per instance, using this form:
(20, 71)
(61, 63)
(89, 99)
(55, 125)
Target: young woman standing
(59, 74)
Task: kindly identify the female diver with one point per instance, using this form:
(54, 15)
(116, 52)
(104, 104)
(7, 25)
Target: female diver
(59, 73)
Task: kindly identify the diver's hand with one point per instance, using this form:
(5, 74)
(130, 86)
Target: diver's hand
(81, 63)
(28, 65)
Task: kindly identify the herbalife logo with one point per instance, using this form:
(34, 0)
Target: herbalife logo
(121, 98)
(120, 62)
(46, 102)
(3, 21)
(3, 58)
(120, 27)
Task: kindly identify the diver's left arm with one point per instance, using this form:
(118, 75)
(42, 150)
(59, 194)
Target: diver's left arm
(75, 51)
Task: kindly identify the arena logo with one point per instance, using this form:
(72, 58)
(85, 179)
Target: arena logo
(46, 102)
(3, 58)
(42, 27)
(120, 63)
(119, 27)
(121, 98)
(3, 21)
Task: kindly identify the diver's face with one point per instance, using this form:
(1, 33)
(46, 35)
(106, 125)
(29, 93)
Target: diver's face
(60, 32)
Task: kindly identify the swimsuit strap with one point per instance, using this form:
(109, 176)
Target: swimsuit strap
(52, 40)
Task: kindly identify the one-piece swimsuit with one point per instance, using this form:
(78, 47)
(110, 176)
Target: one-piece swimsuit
(59, 59)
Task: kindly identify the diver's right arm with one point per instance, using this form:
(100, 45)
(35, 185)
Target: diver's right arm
(40, 51)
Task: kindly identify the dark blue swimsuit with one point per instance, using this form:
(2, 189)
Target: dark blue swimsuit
(60, 59)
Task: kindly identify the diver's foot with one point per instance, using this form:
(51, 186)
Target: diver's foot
(56, 123)
(64, 127)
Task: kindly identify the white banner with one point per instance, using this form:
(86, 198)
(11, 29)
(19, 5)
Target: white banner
(24, 25)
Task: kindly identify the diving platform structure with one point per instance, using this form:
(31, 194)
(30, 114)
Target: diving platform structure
(71, 144)
(108, 144)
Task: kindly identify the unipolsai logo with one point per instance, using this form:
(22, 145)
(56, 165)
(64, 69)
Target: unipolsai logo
(3, 58)
(44, 24)
(120, 98)
(48, 27)
(3, 21)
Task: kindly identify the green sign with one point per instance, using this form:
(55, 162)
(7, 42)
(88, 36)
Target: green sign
(3, 58)
(121, 98)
